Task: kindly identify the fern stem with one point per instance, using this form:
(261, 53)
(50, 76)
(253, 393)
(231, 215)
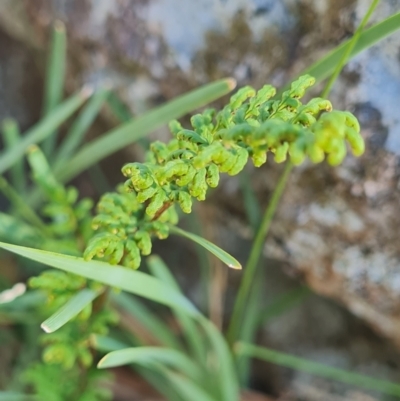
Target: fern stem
(349, 49)
(256, 250)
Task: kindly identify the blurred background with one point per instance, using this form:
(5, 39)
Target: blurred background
(337, 229)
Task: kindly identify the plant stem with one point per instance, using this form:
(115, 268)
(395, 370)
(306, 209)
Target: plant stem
(349, 49)
(256, 250)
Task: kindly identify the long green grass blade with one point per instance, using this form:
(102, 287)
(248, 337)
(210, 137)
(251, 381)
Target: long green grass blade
(119, 108)
(137, 128)
(160, 382)
(108, 344)
(214, 249)
(225, 374)
(11, 137)
(324, 67)
(148, 356)
(343, 60)
(251, 204)
(256, 317)
(76, 133)
(195, 226)
(123, 114)
(254, 257)
(249, 326)
(282, 304)
(188, 389)
(158, 329)
(318, 369)
(190, 330)
(20, 206)
(55, 75)
(43, 129)
(16, 231)
(75, 305)
(136, 282)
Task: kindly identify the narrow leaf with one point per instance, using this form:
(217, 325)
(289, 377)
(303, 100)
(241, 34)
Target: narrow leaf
(137, 128)
(282, 304)
(54, 82)
(226, 375)
(12, 136)
(187, 388)
(43, 128)
(75, 305)
(119, 109)
(150, 321)
(16, 231)
(326, 65)
(155, 378)
(21, 207)
(75, 135)
(189, 328)
(229, 260)
(318, 369)
(251, 204)
(132, 281)
(148, 356)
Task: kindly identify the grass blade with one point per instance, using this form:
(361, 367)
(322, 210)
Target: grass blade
(137, 128)
(136, 282)
(255, 317)
(254, 257)
(343, 60)
(119, 109)
(229, 260)
(188, 389)
(75, 305)
(251, 204)
(55, 75)
(194, 339)
(318, 369)
(123, 114)
(78, 129)
(226, 376)
(324, 67)
(11, 137)
(108, 344)
(43, 128)
(283, 303)
(16, 231)
(250, 326)
(148, 356)
(158, 329)
(20, 205)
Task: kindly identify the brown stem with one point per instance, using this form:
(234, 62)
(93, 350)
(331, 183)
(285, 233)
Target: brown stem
(162, 209)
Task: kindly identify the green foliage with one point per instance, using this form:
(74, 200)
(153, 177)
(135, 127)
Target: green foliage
(55, 383)
(124, 229)
(249, 126)
(70, 217)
